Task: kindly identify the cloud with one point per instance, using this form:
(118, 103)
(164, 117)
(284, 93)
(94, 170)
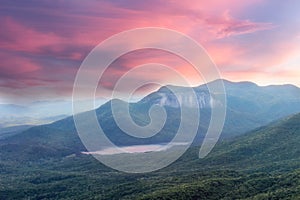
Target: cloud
(140, 57)
(227, 26)
(42, 44)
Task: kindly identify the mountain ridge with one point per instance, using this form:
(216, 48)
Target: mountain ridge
(276, 142)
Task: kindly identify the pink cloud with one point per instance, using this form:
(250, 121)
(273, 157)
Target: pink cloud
(136, 58)
(48, 49)
(15, 36)
(227, 26)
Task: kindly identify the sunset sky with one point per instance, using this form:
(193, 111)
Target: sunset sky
(43, 43)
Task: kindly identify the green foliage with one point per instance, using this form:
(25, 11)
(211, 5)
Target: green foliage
(263, 164)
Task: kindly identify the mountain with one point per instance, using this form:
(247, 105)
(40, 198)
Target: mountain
(267, 147)
(261, 164)
(249, 107)
(35, 113)
(271, 147)
(12, 130)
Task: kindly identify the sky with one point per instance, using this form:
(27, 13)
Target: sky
(43, 43)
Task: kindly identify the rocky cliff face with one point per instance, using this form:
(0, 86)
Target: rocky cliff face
(164, 97)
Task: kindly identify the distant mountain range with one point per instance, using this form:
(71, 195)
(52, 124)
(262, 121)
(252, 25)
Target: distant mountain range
(36, 113)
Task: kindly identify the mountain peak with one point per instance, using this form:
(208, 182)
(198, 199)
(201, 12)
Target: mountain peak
(232, 83)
